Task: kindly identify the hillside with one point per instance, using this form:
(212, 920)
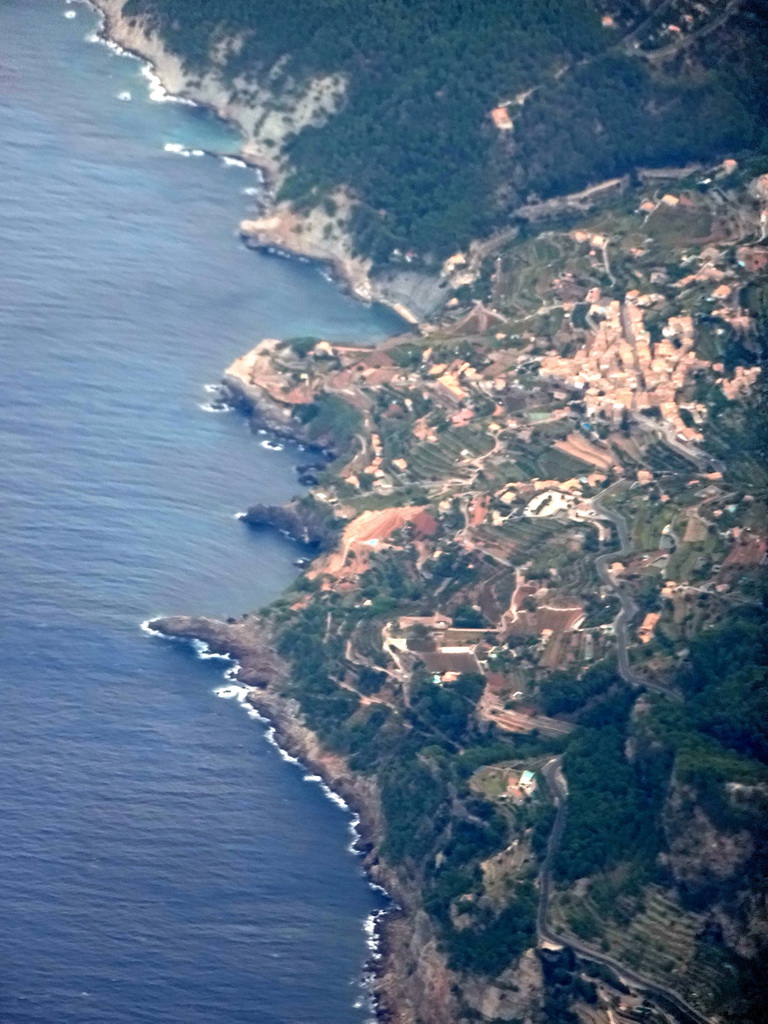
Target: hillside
(404, 93)
(530, 641)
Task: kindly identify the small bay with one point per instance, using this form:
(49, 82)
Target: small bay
(159, 860)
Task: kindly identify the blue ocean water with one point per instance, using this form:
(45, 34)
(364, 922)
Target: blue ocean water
(159, 861)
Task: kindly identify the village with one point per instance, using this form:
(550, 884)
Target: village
(531, 511)
(510, 454)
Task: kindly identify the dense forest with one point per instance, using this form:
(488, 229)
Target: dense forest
(414, 140)
(717, 734)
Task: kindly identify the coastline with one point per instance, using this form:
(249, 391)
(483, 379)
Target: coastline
(405, 975)
(315, 237)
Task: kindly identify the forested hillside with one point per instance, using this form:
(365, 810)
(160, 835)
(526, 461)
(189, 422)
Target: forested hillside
(414, 139)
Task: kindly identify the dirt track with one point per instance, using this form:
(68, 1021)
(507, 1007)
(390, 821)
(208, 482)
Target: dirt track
(370, 529)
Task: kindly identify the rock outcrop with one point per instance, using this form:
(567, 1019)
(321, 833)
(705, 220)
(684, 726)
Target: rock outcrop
(305, 521)
(412, 982)
(716, 866)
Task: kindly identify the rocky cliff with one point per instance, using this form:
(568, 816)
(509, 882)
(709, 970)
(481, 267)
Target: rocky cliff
(718, 857)
(305, 521)
(412, 983)
(268, 113)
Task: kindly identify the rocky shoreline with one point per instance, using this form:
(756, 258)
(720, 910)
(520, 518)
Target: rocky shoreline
(303, 524)
(314, 237)
(410, 981)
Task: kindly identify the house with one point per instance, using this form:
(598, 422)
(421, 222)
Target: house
(527, 783)
(647, 627)
(502, 120)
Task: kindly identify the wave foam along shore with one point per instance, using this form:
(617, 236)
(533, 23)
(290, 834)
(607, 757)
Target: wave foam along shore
(157, 90)
(373, 922)
(168, 83)
(232, 691)
(146, 627)
(215, 407)
(181, 150)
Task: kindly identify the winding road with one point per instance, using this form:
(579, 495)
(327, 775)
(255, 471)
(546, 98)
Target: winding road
(665, 996)
(558, 787)
(629, 608)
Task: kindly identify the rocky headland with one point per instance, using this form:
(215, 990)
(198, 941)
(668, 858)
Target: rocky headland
(411, 982)
(301, 520)
(266, 116)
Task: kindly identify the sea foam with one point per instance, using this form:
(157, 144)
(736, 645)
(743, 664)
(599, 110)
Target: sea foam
(204, 652)
(146, 628)
(180, 150)
(215, 407)
(241, 694)
(157, 91)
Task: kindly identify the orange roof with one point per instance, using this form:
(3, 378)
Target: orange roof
(502, 120)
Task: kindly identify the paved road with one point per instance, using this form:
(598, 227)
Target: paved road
(667, 997)
(702, 460)
(556, 782)
(629, 608)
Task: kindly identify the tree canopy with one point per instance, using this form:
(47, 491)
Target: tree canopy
(413, 139)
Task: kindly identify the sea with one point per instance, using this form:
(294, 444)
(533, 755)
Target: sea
(160, 859)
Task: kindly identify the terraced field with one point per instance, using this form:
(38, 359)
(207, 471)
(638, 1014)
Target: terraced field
(525, 275)
(661, 459)
(448, 456)
(688, 558)
(558, 465)
(517, 535)
(505, 473)
(753, 473)
(647, 520)
(659, 942)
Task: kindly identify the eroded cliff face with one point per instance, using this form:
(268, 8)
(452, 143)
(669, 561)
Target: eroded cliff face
(268, 111)
(715, 865)
(517, 995)
(303, 521)
(699, 853)
(265, 116)
(413, 984)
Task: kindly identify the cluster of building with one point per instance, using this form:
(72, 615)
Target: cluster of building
(619, 367)
(741, 382)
